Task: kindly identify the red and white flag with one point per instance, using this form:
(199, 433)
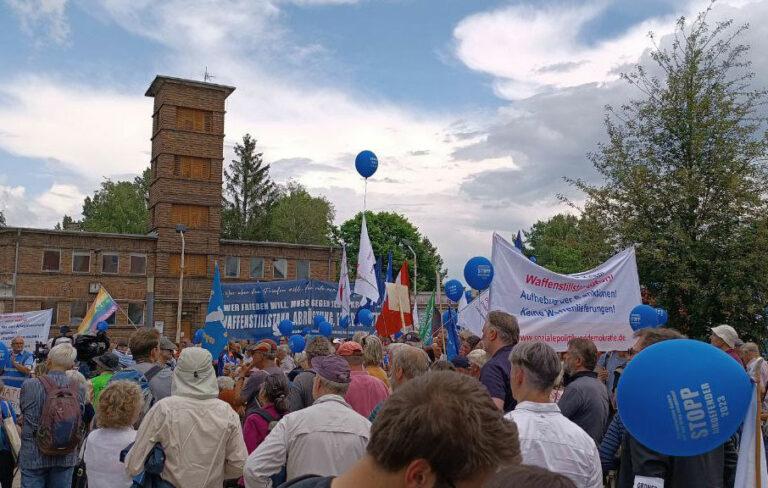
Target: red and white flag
(390, 321)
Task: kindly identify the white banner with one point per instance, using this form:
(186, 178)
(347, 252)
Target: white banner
(32, 326)
(555, 308)
(472, 315)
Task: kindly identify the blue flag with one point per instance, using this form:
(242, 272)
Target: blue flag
(379, 281)
(519, 241)
(215, 336)
(389, 278)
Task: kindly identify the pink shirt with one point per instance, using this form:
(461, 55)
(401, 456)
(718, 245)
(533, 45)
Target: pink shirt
(255, 429)
(365, 392)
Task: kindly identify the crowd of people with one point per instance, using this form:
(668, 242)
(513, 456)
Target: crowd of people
(365, 412)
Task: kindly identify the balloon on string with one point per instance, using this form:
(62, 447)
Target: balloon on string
(453, 290)
(102, 326)
(478, 273)
(643, 316)
(198, 337)
(306, 331)
(326, 329)
(285, 327)
(533, 259)
(695, 393)
(344, 322)
(366, 317)
(297, 343)
(662, 316)
(366, 163)
(319, 319)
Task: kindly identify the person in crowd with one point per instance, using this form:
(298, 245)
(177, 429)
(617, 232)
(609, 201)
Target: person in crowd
(118, 409)
(229, 393)
(65, 336)
(167, 352)
(442, 365)
(585, 399)
(38, 469)
(500, 334)
(365, 391)
(230, 355)
(529, 477)
(406, 363)
(373, 358)
(250, 377)
(640, 464)
(359, 336)
(199, 433)
(438, 346)
(106, 365)
(77, 379)
(18, 364)
(123, 353)
(607, 365)
(460, 364)
(7, 458)
(145, 347)
(610, 444)
(757, 368)
(452, 452)
(477, 359)
(547, 438)
(724, 337)
(284, 359)
(301, 391)
(324, 439)
(468, 344)
(301, 365)
(249, 394)
(273, 398)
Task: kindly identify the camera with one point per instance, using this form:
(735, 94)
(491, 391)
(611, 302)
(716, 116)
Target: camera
(41, 352)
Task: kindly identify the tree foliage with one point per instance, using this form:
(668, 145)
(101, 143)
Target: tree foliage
(685, 179)
(299, 218)
(388, 231)
(250, 193)
(568, 243)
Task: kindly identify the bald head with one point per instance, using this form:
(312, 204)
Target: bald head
(408, 362)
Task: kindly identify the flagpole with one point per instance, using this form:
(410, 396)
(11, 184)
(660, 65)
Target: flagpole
(440, 308)
(758, 430)
(126, 316)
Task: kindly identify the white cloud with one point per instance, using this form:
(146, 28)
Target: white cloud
(46, 15)
(43, 211)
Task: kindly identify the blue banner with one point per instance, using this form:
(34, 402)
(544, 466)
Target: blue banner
(254, 310)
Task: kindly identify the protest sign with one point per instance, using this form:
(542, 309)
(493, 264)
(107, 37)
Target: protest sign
(32, 326)
(554, 308)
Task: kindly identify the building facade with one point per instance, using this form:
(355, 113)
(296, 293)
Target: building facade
(63, 270)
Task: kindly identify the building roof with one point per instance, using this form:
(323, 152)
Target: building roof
(158, 82)
(280, 244)
(76, 233)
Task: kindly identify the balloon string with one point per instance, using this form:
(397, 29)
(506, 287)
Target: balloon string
(365, 196)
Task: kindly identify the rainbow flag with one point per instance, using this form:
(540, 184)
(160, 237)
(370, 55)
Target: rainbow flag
(102, 308)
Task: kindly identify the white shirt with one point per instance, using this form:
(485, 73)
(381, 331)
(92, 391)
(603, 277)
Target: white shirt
(325, 439)
(551, 441)
(102, 457)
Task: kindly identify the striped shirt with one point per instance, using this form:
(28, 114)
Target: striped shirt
(13, 377)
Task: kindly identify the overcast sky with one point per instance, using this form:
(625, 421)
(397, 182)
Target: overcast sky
(475, 108)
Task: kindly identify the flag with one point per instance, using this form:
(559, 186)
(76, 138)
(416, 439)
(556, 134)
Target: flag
(389, 278)
(101, 309)
(390, 321)
(519, 241)
(379, 283)
(342, 297)
(215, 335)
(365, 280)
(748, 451)
(452, 343)
(462, 302)
(425, 327)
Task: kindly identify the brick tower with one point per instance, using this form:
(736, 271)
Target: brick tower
(185, 188)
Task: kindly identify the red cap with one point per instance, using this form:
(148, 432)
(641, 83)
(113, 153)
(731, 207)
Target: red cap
(350, 348)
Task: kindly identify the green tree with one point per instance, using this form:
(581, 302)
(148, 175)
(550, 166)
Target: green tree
(119, 207)
(568, 244)
(389, 231)
(299, 218)
(2, 219)
(68, 223)
(250, 193)
(685, 179)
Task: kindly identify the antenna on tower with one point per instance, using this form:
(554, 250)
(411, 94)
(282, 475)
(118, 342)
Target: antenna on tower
(207, 76)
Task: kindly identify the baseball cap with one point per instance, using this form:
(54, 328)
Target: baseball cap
(166, 344)
(332, 368)
(350, 348)
(727, 333)
(265, 345)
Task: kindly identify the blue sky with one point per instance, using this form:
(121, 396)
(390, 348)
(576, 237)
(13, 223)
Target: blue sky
(476, 108)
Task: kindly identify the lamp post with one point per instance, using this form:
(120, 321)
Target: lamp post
(180, 229)
(407, 243)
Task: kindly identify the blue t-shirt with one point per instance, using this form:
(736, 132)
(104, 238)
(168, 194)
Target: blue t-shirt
(7, 411)
(13, 377)
(495, 377)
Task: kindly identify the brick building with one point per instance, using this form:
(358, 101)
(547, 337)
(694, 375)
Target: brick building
(63, 270)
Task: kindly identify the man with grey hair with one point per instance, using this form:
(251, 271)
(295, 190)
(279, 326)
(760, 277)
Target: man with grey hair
(406, 363)
(547, 438)
(324, 439)
(284, 359)
(500, 334)
(757, 368)
(300, 395)
(38, 469)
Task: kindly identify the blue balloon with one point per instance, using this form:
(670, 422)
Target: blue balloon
(285, 327)
(663, 316)
(198, 337)
(326, 329)
(366, 317)
(533, 259)
(468, 295)
(344, 322)
(366, 163)
(450, 318)
(683, 397)
(297, 343)
(319, 319)
(478, 272)
(306, 331)
(453, 290)
(643, 316)
(102, 326)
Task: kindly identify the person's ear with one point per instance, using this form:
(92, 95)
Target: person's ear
(419, 474)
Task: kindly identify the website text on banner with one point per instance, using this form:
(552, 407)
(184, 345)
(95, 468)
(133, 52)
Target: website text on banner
(32, 326)
(254, 310)
(555, 308)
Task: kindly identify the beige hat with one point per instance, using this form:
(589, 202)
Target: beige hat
(727, 333)
(194, 376)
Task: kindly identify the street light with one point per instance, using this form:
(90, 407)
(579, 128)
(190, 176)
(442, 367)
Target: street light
(407, 243)
(180, 229)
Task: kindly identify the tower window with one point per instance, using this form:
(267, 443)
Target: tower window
(191, 168)
(192, 119)
(193, 216)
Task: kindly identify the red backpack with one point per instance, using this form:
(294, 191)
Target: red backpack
(60, 429)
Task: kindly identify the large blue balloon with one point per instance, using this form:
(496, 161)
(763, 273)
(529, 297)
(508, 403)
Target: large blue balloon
(366, 163)
(285, 327)
(453, 290)
(297, 343)
(198, 337)
(102, 326)
(683, 397)
(344, 322)
(326, 329)
(366, 317)
(643, 316)
(478, 272)
(319, 319)
(663, 316)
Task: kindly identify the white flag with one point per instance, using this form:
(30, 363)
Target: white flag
(342, 297)
(365, 281)
(746, 466)
(415, 314)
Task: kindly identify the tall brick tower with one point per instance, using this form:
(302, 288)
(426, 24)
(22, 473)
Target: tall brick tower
(185, 188)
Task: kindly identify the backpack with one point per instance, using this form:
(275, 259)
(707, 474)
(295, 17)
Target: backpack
(142, 380)
(61, 421)
(280, 477)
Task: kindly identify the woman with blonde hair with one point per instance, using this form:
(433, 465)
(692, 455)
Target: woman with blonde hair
(118, 409)
(373, 356)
